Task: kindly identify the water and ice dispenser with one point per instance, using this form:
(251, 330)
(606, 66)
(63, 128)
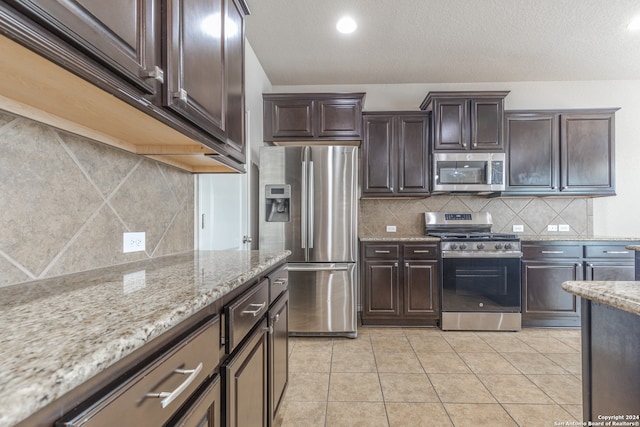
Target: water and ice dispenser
(278, 203)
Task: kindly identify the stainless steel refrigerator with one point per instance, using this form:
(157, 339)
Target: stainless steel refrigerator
(308, 205)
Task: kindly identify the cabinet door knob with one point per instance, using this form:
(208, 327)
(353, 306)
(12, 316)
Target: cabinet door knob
(406, 264)
(155, 73)
(395, 264)
(181, 95)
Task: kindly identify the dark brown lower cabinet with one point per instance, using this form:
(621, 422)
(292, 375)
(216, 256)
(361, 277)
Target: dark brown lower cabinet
(205, 409)
(544, 302)
(245, 377)
(546, 265)
(160, 389)
(278, 353)
(400, 284)
(609, 261)
(610, 369)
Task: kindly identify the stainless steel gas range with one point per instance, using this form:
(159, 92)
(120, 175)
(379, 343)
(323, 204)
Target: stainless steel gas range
(480, 274)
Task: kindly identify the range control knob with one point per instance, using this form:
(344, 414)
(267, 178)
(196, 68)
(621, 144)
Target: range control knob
(498, 245)
(453, 246)
(480, 246)
(508, 246)
(463, 246)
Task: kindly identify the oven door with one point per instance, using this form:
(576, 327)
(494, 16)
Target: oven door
(481, 285)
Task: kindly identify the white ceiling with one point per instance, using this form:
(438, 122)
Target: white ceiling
(444, 41)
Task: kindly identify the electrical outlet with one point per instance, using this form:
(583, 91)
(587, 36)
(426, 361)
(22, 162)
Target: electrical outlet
(564, 227)
(552, 227)
(133, 242)
(391, 228)
(518, 228)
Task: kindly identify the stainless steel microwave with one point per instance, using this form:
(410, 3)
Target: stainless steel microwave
(468, 172)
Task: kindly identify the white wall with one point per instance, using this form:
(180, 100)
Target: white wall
(256, 83)
(613, 216)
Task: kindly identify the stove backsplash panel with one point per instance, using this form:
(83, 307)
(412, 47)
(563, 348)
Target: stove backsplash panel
(535, 214)
(66, 200)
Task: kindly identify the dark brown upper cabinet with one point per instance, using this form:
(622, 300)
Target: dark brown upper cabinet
(180, 62)
(312, 116)
(234, 77)
(205, 82)
(466, 120)
(195, 62)
(123, 35)
(560, 152)
(395, 157)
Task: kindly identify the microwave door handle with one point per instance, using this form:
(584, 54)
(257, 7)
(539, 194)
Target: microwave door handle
(487, 172)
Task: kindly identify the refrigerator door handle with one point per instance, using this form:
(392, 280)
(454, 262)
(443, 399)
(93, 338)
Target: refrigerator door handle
(303, 207)
(310, 197)
(341, 267)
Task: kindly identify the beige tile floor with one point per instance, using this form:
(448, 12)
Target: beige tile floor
(427, 377)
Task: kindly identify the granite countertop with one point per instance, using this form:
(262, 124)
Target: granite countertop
(621, 295)
(421, 238)
(416, 238)
(58, 333)
(633, 247)
(578, 239)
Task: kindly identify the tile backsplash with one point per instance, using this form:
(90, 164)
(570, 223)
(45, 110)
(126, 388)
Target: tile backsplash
(66, 201)
(532, 213)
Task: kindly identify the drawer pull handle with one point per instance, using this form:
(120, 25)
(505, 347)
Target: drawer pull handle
(168, 397)
(616, 252)
(421, 251)
(551, 252)
(255, 312)
(280, 282)
(382, 252)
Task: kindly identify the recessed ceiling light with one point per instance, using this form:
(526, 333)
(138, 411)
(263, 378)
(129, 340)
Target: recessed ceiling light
(634, 25)
(346, 25)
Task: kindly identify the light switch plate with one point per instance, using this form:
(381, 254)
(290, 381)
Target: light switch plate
(391, 228)
(564, 227)
(518, 228)
(133, 242)
(552, 227)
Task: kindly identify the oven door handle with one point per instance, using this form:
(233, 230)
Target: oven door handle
(457, 254)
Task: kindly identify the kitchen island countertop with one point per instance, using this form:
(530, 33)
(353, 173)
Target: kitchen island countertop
(57, 333)
(621, 295)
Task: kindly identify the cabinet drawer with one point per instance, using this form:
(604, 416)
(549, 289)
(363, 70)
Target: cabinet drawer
(245, 312)
(278, 283)
(608, 251)
(551, 251)
(382, 251)
(420, 251)
(153, 394)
